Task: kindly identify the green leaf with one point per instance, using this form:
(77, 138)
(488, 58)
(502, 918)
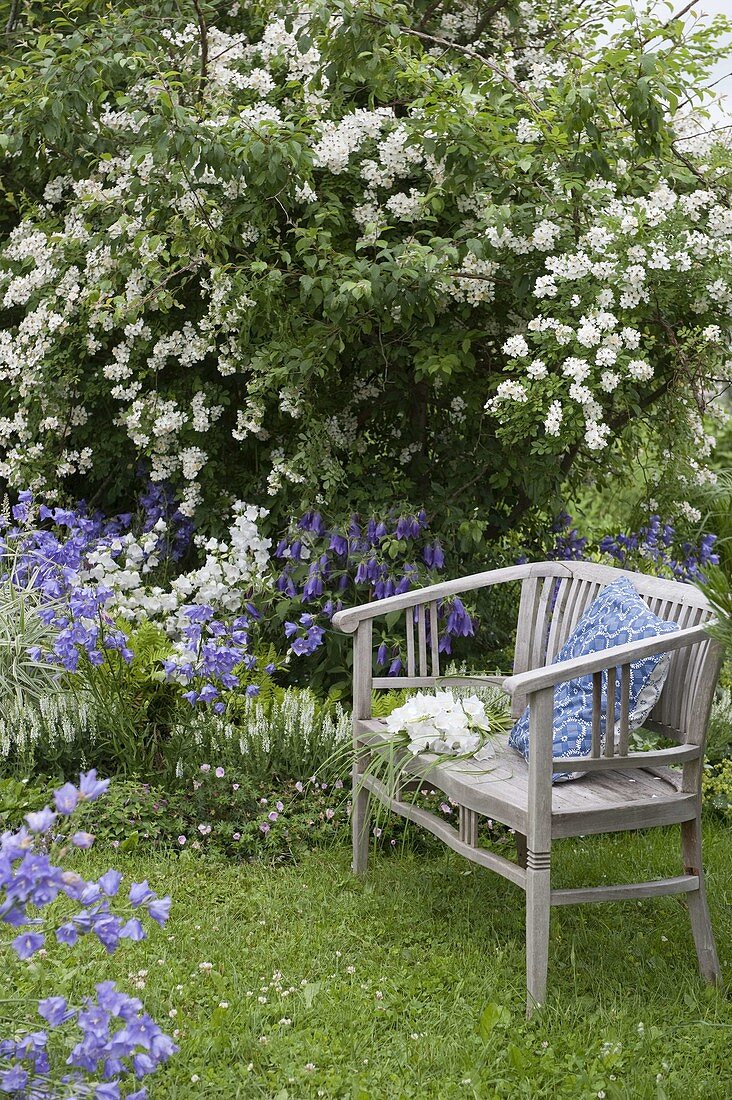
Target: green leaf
(493, 1016)
(310, 992)
(130, 842)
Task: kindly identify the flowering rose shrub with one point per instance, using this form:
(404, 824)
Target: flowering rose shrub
(110, 1036)
(366, 251)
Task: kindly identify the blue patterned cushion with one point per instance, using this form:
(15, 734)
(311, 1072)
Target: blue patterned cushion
(617, 616)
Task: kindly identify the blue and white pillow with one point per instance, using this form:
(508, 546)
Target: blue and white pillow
(617, 616)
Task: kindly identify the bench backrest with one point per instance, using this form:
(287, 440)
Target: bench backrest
(555, 596)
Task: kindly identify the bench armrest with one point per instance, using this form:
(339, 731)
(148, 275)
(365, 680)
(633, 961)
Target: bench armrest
(348, 619)
(550, 675)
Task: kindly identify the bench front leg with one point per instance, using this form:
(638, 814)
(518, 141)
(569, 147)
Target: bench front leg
(538, 846)
(360, 814)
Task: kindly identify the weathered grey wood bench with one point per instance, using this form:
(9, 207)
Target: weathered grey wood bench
(624, 790)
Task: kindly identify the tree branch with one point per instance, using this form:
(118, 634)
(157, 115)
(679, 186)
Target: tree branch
(13, 16)
(203, 38)
(436, 40)
(482, 24)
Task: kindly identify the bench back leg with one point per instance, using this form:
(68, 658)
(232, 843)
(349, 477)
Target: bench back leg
(696, 901)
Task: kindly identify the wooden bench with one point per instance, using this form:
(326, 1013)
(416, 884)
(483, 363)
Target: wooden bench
(624, 790)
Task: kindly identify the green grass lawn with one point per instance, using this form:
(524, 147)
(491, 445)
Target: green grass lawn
(410, 984)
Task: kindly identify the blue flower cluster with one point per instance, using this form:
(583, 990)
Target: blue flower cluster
(51, 561)
(655, 543)
(157, 502)
(365, 559)
(117, 1036)
(210, 652)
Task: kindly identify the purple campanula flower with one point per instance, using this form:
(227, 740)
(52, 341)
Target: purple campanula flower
(66, 798)
(159, 910)
(253, 690)
(132, 930)
(41, 821)
(339, 545)
(140, 892)
(459, 622)
(14, 1080)
(382, 654)
(67, 934)
(91, 788)
(54, 1010)
(110, 882)
(27, 943)
(82, 840)
(395, 667)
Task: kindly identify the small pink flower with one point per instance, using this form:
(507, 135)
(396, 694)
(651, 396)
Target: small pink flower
(330, 814)
(263, 802)
(338, 784)
(204, 830)
(236, 836)
(181, 840)
(219, 773)
(235, 786)
(377, 832)
(264, 827)
(196, 784)
(273, 815)
(205, 768)
(279, 807)
(299, 787)
(445, 808)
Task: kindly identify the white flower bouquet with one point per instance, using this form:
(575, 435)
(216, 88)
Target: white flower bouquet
(445, 725)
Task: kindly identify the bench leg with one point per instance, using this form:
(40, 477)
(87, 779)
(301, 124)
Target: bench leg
(538, 875)
(701, 925)
(360, 821)
(520, 849)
